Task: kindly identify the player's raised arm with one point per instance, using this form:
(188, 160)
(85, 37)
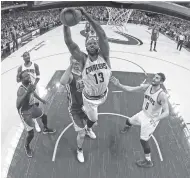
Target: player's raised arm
(72, 46)
(140, 88)
(18, 74)
(103, 40)
(67, 76)
(37, 71)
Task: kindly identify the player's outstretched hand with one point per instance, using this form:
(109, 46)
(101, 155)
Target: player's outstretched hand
(81, 9)
(114, 80)
(31, 88)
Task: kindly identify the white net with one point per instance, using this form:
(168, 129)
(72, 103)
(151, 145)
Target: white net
(118, 18)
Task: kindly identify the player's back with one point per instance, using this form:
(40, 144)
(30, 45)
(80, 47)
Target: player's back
(96, 75)
(74, 93)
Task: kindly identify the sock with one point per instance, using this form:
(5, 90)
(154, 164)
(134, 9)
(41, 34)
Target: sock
(29, 138)
(44, 121)
(155, 45)
(89, 123)
(148, 157)
(151, 45)
(128, 123)
(146, 149)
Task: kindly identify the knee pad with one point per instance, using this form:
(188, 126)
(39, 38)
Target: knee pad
(31, 133)
(145, 146)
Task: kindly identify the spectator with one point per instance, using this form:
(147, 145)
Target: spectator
(181, 41)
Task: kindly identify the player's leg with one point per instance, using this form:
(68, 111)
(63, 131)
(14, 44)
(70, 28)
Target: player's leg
(155, 45)
(27, 120)
(79, 126)
(91, 109)
(178, 44)
(92, 113)
(151, 44)
(181, 44)
(37, 113)
(134, 120)
(146, 131)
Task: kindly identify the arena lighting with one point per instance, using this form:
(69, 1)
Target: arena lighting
(57, 84)
(160, 7)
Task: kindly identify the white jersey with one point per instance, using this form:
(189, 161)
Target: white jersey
(96, 75)
(30, 70)
(151, 107)
(92, 35)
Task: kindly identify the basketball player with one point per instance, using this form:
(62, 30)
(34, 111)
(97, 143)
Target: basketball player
(31, 67)
(96, 69)
(154, 37)
(72, 79)
(28, 110)
(154, 109)
(87, 27)
(91, 34)
(34, 72)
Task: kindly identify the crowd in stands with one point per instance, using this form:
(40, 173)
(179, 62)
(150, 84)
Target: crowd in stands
(11, 3)
(17, 22)
(170, 26)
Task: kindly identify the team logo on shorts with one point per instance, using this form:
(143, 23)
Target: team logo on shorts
(130, 40)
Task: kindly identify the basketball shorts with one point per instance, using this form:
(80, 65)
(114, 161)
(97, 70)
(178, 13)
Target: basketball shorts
(27, 116)
(153, 38)
(79, 120)
(91, 106)
(143, 121)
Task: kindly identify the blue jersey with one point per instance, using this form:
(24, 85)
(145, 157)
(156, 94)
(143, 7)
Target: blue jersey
(74, 93)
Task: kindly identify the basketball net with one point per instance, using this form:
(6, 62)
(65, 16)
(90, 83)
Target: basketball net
(118, 18)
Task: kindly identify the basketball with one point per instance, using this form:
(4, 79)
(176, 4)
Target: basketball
(70, 16)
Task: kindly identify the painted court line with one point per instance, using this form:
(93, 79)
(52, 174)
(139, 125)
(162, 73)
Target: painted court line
(113, 114)
(117, 91)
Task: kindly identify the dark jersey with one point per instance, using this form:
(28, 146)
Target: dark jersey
(74, 92)
(28, 101)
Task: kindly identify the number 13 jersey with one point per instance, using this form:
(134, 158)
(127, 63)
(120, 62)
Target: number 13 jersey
(96, 75)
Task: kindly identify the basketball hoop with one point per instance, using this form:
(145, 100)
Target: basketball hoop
(118, 18)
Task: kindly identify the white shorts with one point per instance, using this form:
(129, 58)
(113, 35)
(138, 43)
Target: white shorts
(143, 120)
(91, 106)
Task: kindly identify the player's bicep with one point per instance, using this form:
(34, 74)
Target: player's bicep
(143, 87)
(37, 70)
(164, 102)
(20, 93)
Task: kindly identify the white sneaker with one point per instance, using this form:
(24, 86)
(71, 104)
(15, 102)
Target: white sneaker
(90, 133)
(80, 156)
(37, 127)
(95, 124)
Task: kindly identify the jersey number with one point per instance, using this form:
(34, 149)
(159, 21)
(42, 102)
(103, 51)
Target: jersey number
(99, 78)
(146, 107)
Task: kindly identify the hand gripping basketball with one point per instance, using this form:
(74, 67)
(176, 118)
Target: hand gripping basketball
(70, 16)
